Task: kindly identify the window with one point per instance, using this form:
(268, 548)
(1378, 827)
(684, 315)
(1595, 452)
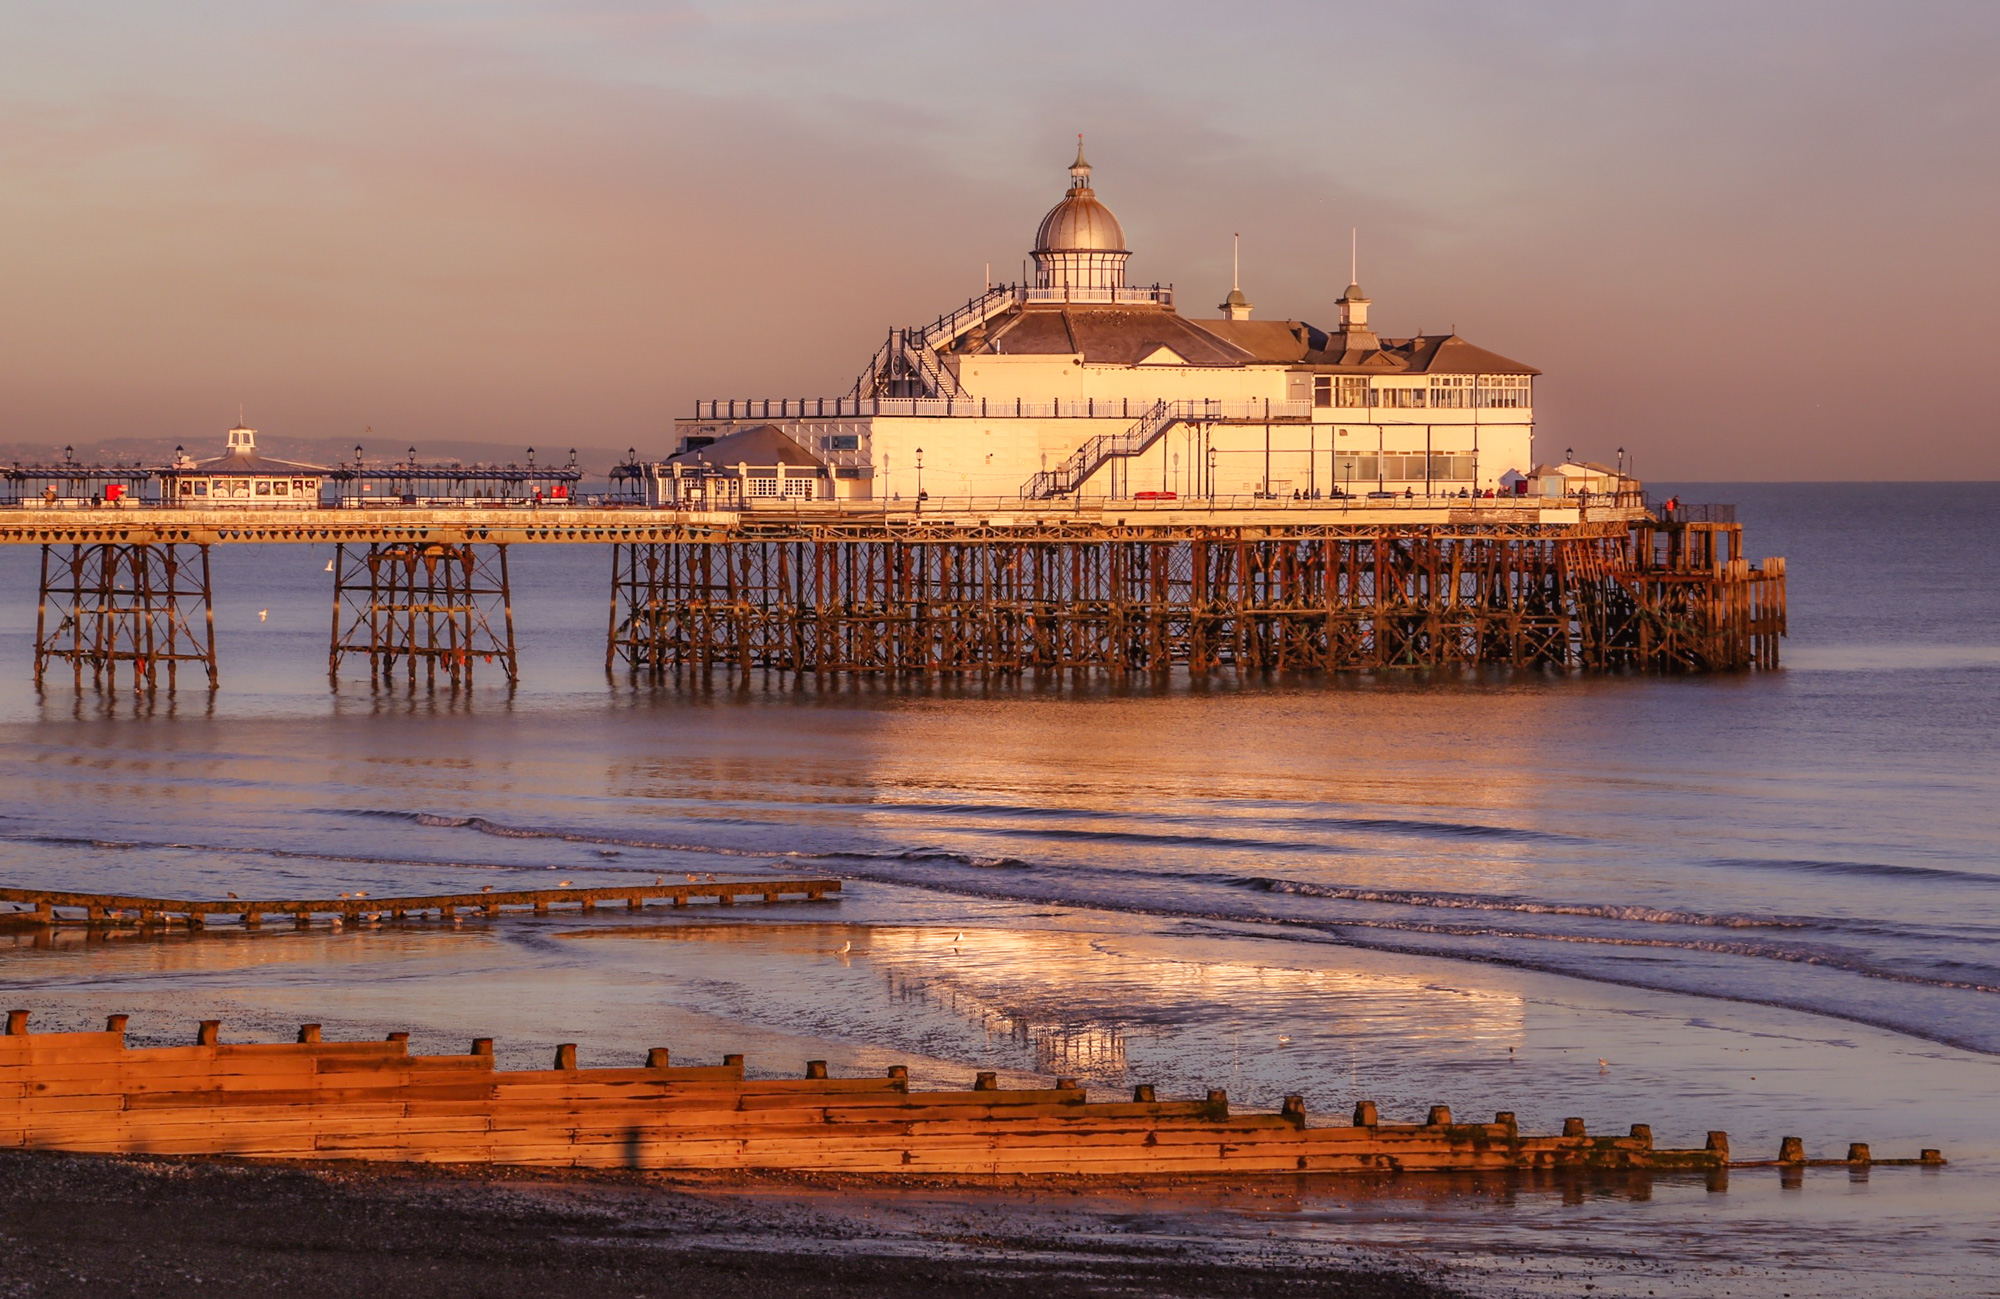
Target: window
(802, 487)
(201, 487)
(1353, 392)
(281, 488)
(1451, 391)
(1297, 386)
(1399, 398)
(1322, 391)
(187, 487)
(263, 487)
(1505, 392)
(764, 486)
(841, 442)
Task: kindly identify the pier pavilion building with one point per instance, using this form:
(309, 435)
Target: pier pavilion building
(1083, 385)
(241, 477)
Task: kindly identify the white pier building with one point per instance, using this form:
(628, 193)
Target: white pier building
(1081, 384)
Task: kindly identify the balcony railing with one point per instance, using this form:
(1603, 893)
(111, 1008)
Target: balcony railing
(1121, 408)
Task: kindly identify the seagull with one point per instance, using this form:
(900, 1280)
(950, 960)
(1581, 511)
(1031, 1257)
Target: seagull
(563, 884)
(711, 877)
(232, 895)
(262, 614)
(1284, 1040)
(958, 937)
(847, 947)
(1603, 1066)
(659, 879)
(329, 566)
(692, 878)
(485, 888)
(362, 894)
(343, 895)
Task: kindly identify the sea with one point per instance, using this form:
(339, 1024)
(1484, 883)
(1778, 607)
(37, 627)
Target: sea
(1765, 904)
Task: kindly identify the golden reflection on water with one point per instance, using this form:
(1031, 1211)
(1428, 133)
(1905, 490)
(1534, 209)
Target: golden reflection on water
(1075, 1002)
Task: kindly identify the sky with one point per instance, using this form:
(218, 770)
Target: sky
(1744, 241)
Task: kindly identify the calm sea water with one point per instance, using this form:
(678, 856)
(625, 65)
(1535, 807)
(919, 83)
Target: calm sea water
(1764, 904)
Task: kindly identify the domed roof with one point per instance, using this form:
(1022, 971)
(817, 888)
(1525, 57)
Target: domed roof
(1080, 224)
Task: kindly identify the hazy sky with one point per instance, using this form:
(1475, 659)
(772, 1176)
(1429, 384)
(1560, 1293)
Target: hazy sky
(1744, 240)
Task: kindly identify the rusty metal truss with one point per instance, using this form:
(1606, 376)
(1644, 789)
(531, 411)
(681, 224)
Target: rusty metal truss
(140, 605)
(413, 604)
(1138, 600)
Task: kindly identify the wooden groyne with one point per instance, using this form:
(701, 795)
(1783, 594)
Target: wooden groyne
(313, 1099)
(55, 906)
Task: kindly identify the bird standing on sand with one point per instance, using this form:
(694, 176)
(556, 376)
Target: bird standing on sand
(329, 566)
(1603, 1066)
(847, 947)
(262, 614)
(562, 884)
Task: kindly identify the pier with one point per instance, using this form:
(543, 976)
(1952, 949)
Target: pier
(986, 585)
(55, 906)
(321, 1100)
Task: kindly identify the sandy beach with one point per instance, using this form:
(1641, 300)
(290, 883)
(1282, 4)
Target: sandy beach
(76, 1225)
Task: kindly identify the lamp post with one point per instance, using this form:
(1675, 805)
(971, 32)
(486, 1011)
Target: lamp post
(357, 455)
(1211, 475)
(920, 480)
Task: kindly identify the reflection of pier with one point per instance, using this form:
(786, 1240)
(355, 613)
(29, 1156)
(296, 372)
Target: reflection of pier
(961, 587)
(1057, 1046)
(54, 906)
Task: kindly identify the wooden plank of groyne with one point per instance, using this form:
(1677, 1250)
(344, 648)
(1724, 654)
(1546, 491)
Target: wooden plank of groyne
(372, 1100)
(97, 905)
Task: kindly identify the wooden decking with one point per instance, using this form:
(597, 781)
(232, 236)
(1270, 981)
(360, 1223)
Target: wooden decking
(54, 906)
(89, 1092)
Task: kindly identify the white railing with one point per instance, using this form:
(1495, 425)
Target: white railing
(1125, 408)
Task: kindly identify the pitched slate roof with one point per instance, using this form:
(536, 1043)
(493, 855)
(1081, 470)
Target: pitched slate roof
(247, 463)
(1294, 342)
(763, 446)
(1105, 335)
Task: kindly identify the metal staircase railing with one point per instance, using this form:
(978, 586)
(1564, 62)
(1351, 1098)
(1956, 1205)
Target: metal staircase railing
(1092, 455)
(907, 364)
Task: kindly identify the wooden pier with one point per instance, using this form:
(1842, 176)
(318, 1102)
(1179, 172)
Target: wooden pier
(964, 587)
(320, 1100)
(53, 906)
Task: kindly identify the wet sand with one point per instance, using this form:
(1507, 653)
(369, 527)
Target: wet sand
(74, 1225)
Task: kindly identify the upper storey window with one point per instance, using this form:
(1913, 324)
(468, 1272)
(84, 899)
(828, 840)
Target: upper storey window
(1505, 392)
(1451, 391)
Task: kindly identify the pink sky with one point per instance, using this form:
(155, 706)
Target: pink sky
(1744, 242)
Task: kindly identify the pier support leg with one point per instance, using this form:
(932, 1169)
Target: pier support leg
(141, 606)
(436, 608)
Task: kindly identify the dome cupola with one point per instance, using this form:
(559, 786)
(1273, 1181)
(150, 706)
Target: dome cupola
(1080, 246)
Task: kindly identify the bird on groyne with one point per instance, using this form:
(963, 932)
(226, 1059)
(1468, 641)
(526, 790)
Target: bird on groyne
(485, 888)
(232, 895)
